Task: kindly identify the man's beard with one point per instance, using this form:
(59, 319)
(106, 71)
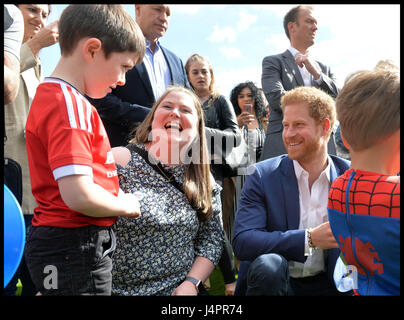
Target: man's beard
(307, 151)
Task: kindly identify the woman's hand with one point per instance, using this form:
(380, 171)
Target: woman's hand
(45, 37)
(186, 288)
(244, 119)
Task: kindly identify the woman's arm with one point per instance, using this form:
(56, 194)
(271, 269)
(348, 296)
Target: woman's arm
(201, 269)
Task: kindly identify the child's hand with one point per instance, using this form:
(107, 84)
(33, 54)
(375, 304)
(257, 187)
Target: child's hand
(131, 204)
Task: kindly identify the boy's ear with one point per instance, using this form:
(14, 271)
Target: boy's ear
(343, 140)
(91, 47)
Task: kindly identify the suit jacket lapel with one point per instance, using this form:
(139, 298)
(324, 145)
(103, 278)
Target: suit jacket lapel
(333, 171)
(169, 63)
(144, 76)
(313, 83)
(291, 192)
(293, 67)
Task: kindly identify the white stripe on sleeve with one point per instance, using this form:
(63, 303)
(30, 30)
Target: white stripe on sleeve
(80, 110)
(72, 169)
(69, 105)
(88, 107)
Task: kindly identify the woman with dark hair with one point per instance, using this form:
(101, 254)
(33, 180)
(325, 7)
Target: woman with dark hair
(250, 108)
(220, 126)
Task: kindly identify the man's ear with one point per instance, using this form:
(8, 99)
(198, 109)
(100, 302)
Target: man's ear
(291, 26)
(91, 47)
(326, 126)
(137, 9)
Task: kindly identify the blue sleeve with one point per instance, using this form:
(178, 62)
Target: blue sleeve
(114, 109)
(258, 229)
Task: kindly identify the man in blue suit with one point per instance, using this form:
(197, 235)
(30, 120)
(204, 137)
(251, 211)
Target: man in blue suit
(126, 106)
(281, 232)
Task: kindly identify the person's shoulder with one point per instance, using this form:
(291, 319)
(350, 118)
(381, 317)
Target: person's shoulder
(169, 52)
(272, 164)
(121, 155)
(12, 14)
(275, 56)
(340, 163)
(221, 99)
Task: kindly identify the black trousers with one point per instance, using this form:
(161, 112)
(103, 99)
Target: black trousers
(71, 261)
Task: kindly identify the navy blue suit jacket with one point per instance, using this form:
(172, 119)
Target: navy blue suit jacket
(267, 219)
(126, 106)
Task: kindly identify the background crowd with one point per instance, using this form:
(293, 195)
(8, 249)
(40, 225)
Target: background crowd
(158, 224)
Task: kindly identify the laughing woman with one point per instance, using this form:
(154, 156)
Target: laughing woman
(177, 241)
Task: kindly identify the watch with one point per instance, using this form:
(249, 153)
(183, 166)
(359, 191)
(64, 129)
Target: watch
(196, 282)
(309, 241)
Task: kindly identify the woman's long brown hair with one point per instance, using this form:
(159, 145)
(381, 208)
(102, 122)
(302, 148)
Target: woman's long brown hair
(197, 182)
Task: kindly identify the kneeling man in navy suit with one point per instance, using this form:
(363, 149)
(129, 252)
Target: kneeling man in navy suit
(281, 232)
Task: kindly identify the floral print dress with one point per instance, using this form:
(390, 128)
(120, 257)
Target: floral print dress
(155, 252)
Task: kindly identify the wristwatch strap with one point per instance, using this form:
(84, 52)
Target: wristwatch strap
(196, 282)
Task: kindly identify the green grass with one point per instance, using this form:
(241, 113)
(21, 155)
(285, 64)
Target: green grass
(217, 287)
(216, 283)
(19, 288)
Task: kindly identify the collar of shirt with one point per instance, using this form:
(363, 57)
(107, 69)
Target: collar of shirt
(299, 170)
(148, 47)
(157, 69)
(293, 51)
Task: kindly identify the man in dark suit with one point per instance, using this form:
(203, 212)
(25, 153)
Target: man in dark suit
(293, 68)
(126, 106)
(281, 231)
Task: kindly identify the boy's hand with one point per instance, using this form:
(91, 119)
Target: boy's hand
(131, 204)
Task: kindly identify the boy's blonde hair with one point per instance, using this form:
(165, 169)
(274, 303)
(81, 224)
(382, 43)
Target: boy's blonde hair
(368, 107)
(321, 105)
(111, 24)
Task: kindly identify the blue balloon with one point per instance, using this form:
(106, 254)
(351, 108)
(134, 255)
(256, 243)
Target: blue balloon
(14, 235)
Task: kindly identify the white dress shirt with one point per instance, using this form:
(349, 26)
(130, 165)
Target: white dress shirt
(313, 212)
(157, 69)
(306, 75)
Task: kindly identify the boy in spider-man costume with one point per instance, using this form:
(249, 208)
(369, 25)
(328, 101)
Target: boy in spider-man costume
(364, 203)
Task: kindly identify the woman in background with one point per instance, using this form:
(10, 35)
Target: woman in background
(220, 125)
(249, 107)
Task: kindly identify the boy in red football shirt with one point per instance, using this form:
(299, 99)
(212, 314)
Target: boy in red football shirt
(364, 203)
(73, 173)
